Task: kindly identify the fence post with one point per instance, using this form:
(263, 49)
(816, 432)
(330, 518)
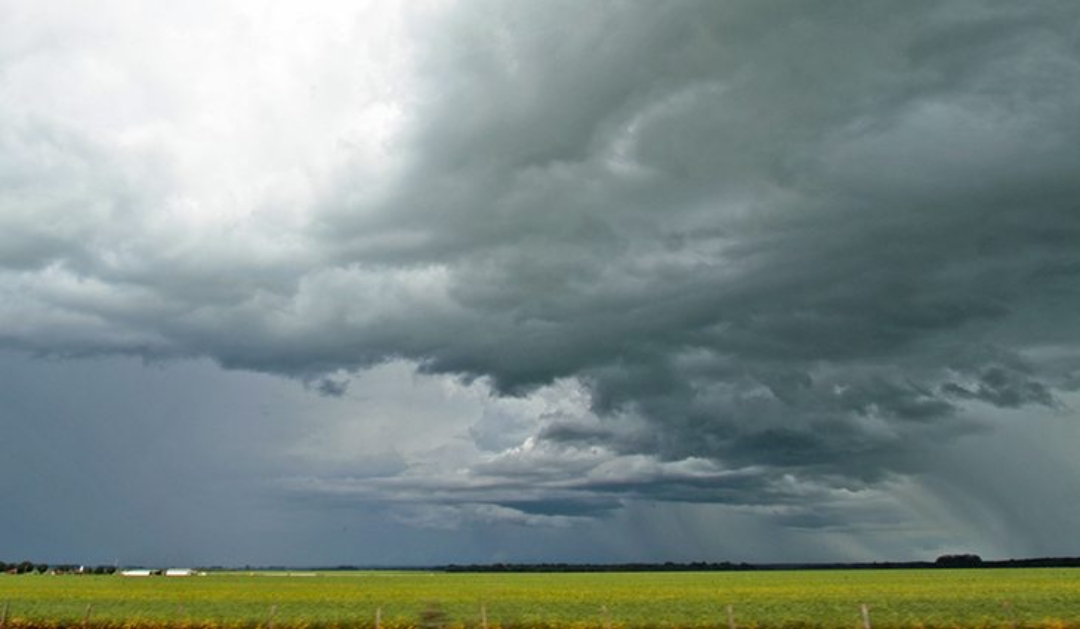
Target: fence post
(730, 617)
(378, 618)
(86, 617)
(607, 616)
(483, 617)
(270, 619)
(3, 616)
(866, 617)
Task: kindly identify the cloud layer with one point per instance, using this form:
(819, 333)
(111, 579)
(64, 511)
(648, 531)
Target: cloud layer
(770, 256)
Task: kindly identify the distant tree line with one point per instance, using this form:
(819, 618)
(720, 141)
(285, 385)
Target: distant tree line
(23, 567)
(944, 561)
(29, 567)
(959, 561)
(696, 566)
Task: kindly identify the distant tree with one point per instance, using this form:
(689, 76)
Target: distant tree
(958, 561)
(24, 567)
(42, 568)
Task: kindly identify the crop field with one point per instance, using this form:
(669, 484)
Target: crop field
(916, 599)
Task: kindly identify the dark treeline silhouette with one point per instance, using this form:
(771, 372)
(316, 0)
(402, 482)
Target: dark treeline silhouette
(945, 561)
(28, 567)
(591, 567)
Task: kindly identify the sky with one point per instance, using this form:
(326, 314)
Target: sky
(426, 282)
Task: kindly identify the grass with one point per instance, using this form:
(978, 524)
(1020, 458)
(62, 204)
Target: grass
(915, 599)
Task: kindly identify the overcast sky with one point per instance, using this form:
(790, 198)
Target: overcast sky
(422, 282)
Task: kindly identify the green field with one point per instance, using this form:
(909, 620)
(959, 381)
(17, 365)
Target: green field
(1003, 599)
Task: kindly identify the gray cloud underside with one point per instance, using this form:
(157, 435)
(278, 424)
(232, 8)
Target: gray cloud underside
(770, 238)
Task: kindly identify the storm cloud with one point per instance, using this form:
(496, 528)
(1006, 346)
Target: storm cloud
(781, 259)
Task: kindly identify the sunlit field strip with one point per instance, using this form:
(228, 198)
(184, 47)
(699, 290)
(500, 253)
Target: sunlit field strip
(922, 599)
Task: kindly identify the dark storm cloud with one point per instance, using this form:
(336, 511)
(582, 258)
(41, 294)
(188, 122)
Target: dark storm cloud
(1004, 388)
(769, 186)
(786, 235)
(804, 239)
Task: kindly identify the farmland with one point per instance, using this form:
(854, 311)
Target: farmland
(921, 599)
